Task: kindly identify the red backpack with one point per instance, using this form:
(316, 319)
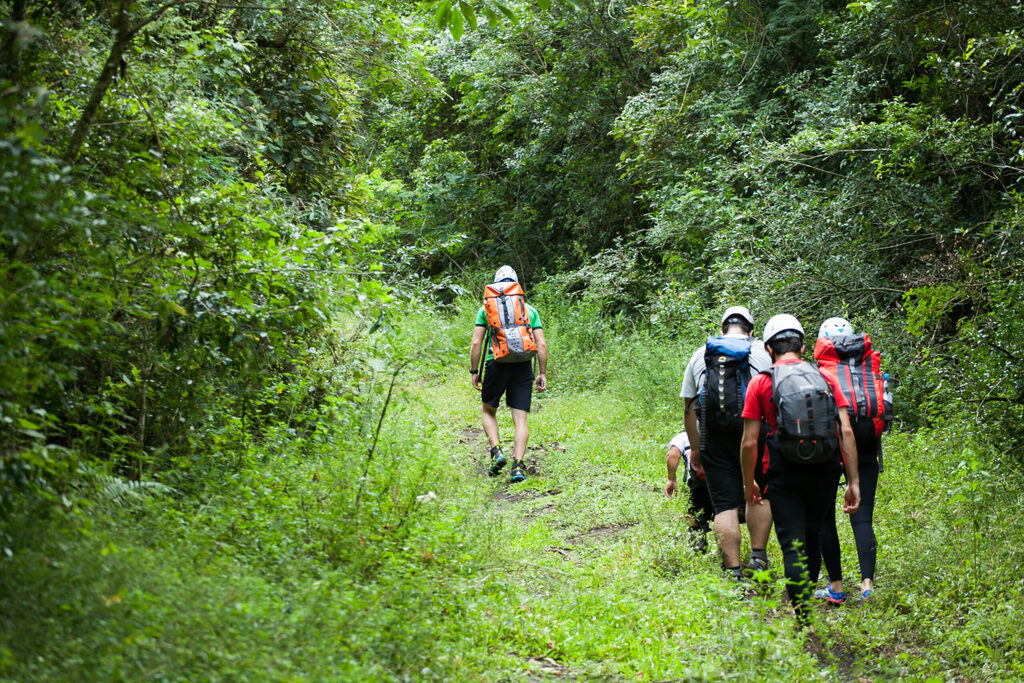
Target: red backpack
(850, 361)
(508, 322)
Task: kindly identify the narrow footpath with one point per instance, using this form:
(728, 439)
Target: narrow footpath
(589, 573)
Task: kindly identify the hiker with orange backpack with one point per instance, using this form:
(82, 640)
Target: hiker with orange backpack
(714, 385)
(808, 423)
(515, 335)
(850, 360)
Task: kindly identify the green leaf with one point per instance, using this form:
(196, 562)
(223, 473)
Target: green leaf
(469, 13)
(26, 424)
(443, 13)
(507, 11)
(544, 4)
(456, 24)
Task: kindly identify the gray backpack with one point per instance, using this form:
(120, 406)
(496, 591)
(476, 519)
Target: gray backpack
(806, 413)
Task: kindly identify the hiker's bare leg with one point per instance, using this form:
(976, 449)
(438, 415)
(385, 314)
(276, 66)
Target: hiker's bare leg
(727, 531)
(490, 421)
(759, 524)
(521, 432)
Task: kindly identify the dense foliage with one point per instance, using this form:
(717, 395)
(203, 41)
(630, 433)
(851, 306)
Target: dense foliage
(216, 216)
(173, 283)
(662, 159)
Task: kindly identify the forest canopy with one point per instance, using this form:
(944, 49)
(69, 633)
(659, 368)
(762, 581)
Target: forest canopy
(194, 191)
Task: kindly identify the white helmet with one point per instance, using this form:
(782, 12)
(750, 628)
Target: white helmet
(783, 322)
(834, 327)
(506, 273)
(737, 312)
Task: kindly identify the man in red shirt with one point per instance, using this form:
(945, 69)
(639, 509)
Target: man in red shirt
(801, 493)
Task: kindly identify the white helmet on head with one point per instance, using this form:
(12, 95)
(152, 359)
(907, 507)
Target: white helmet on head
(737, 312)
(834, 327)
(506, 273)
(779, 324)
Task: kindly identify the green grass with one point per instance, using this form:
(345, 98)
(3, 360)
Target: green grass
(584, 570)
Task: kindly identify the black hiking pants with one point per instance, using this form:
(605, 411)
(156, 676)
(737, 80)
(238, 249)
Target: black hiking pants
(862, 521)
(802, 499)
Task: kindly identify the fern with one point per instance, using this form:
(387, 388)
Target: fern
(122, 491)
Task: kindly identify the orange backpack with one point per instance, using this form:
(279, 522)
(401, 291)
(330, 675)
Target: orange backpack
(508, 322)
(850, 361)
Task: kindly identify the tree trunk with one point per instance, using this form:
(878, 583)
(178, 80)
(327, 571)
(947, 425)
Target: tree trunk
(12, 48)
(122, 38)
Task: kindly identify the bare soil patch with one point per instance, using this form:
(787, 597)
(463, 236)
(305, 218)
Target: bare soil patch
(526, 494)
(601, 534)
(470, 435)
(544, 510)
(546, 668)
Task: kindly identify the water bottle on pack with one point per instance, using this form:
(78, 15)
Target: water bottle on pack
(887, 399)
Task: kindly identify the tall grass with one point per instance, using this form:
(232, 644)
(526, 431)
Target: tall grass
(269, 571)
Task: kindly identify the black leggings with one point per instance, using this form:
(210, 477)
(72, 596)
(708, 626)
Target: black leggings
(862, 522)
(801, 502)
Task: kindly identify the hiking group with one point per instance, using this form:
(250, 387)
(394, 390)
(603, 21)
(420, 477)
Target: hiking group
(767, 438)
(767, 435)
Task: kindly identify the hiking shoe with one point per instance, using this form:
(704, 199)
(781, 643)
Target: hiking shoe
(865, 596)
(518, 472)
(830, 595)
(756, 565)
(734, 573)
(698, 539)
(498, 461)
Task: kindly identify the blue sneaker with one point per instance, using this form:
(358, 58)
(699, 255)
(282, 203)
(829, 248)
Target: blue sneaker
(498, 461)
(865, 596)
(518, 472)
(830, 595)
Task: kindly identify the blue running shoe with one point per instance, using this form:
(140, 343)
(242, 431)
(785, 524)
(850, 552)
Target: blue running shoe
(518, 472)
(498, 461)
(830, 595)
(865, 596)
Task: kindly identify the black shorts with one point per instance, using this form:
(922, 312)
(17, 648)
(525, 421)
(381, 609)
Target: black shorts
(514, 380)
(724, 471)
(700, 499)
(720, 455)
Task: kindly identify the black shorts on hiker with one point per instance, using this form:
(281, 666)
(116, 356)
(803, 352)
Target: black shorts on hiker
(700, 499)
(514, 380)
(720, 456)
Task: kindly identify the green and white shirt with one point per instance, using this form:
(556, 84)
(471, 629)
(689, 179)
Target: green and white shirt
(481, 321)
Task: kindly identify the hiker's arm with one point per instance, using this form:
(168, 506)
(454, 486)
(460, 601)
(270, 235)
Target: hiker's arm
(542, 358)
(475, 348)
(851, 499)
(672, 462)
(748, 459)
(693, 433)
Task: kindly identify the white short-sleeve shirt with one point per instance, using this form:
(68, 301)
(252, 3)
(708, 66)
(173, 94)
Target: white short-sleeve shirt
(682, 442)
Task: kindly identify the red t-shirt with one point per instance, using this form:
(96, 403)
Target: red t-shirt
(758, 402)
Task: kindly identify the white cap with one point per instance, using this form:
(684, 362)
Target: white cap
(738, 312)
(783, 322)
(506, 273)
(835, 327)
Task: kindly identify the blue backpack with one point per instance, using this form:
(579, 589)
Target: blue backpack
(726, 375)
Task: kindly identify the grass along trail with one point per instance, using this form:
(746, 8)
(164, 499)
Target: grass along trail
(584, 571)
(588, 574)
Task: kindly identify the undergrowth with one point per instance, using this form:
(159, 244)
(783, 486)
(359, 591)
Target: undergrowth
(272, 571)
